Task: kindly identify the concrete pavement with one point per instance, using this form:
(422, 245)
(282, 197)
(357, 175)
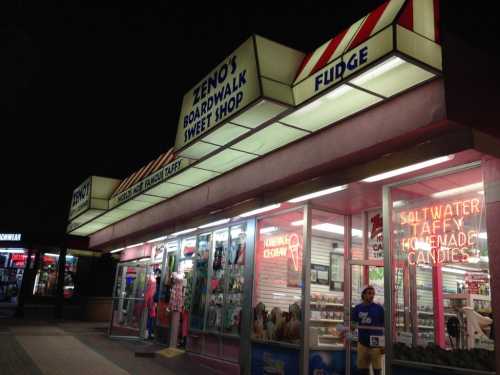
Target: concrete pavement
(78, 348)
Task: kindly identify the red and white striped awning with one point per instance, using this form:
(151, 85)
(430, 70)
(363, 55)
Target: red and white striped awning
(145, 171)
(419, 16)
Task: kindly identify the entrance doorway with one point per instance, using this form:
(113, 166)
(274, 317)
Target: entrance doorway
(128, 318)
(362, 274)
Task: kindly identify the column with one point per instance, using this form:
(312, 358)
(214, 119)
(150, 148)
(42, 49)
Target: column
(491, 179)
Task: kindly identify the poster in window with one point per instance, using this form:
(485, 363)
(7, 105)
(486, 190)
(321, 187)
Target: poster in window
(336, 272)
(320, 274)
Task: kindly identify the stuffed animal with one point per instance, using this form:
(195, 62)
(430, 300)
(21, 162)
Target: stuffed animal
(258, 321)
(275, 325)
(292, 331)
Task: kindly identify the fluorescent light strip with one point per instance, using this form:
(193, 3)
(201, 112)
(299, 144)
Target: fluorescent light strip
(377, 71)
(453, 270)
(261, 210)
(183, 231)
(268, 230)
(338, 92)
(483, 235)
(337, 229)
(144, 259)
(56, 255)
(157, 239)
(215, 223)
(458, 190)
(134, 245)
(12, 251)
(318, 194)
(297, 223)
(117, 250)
(408, 169)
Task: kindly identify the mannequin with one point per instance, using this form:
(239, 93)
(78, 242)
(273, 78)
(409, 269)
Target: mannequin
(177, 307)
(150, 305)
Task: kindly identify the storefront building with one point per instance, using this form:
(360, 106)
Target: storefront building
(294, 185)
(32, 274)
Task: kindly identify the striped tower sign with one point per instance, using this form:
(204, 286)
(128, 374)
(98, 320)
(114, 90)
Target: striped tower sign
(420, 16)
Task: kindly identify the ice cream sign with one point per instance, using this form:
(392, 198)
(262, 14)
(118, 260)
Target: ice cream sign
(441, 233)
(285, 245)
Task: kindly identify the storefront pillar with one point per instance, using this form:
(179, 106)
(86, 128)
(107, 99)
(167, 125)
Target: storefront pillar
(247, 312)
(25, 286)
(58, 310)
(306, 283)
(437, 284)
(491, 180)
(388, 277)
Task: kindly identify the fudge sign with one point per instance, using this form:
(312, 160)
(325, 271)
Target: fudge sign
(223, 93)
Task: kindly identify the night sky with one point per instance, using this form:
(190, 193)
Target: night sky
(94, 90)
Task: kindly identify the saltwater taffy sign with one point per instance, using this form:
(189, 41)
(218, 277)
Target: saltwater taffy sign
(447, 232)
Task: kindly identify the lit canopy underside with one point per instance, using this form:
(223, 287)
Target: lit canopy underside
(267, 126)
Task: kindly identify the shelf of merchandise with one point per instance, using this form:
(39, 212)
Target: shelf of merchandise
(326, 321)
(329, 337)
(467, 296)
(332, 347)
(420, 326)
(420, 312)
(319, 303)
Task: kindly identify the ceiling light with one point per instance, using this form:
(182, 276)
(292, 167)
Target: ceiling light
(318, 194)
(261, 210)
(117, 250)
(297, 223)
(134, 245)
(158, 239)
(337, 229)
(481, 192)
(183, 231)
(377, 71)
(309, 107)
(408, 169)
(235, 232)
(453, 270)
(483, 235)
(268, 230)
(458, 190)
(144, 259)
(215, 223)
(338, 92)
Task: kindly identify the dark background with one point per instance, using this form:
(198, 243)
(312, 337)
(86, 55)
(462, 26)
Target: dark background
(87, 89)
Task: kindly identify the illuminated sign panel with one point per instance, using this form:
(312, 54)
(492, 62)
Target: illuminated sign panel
(286, 245)
(228, 89)
(441, 233)
(10, 236)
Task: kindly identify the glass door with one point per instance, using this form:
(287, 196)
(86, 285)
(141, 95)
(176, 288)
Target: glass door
(366, 323)
(128, 319)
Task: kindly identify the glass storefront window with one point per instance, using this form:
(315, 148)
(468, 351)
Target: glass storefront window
(216, 287)
(235, 267)
(46, 277)
(278, 285)
(70, 276)
(204, 244)
(12, 264)
(442, 302)
(327, 281)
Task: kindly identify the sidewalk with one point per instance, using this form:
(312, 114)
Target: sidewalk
(79, 348)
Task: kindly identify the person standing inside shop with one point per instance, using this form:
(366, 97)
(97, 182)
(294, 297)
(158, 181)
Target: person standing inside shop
(368, 317)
